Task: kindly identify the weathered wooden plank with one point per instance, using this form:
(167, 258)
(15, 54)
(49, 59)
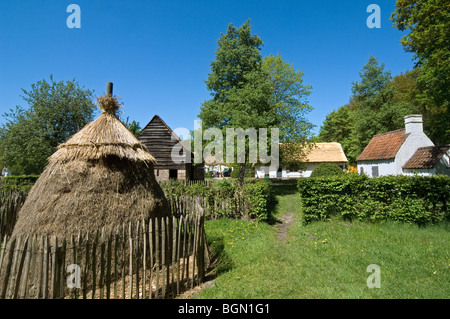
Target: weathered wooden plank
(102, 265)
(7, 269)
(144, 259)
(45, 267)
(178, 256)
(124, 257)
(174, 254)
(116, 261)
(14, 268)
(201, 251)
(94, 264)
(62, 269)
(130, 270)
(109, 258)
(53, 268)
(29, 250)
(86, 266)
(194, 249)
(151, 249)
(163, 256)
(185, 247)
(73, 245)
(137, 257)
(38, 272)
(157, 254)
(2, 251)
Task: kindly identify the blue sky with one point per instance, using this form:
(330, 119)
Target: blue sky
(158, 53)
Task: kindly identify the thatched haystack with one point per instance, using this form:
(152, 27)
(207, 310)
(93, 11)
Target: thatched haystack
(101, 177)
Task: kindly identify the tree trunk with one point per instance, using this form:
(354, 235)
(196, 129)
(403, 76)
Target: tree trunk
(241, 173)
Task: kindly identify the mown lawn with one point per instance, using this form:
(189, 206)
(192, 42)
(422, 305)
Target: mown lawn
(326, 259)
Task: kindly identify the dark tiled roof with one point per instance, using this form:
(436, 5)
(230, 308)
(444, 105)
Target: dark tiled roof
(426, 157)
(383, 146)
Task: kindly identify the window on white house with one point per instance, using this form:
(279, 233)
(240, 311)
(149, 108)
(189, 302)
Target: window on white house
(375, 171)
(361, 171)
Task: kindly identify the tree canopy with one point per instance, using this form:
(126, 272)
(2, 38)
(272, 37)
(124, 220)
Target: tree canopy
(379, 104)
(56, 110)
(249, 91)
(428, 23)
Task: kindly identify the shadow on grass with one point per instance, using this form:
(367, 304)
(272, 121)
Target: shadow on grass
(279, 187)
(220, 261)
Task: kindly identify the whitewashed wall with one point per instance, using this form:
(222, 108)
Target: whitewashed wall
(385, 167)
(417, 138)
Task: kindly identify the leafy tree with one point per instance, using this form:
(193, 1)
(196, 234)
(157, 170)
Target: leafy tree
(338, 126)
(373, 88)
(134, 127)
(249, 92)
(56, 111)
(289, 97)
(429, 39)
(378, 105)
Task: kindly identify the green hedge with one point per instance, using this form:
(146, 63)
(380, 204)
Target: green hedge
(255, 194)
(258, 196)
(411, 199)
(17, 183)
(327, 169)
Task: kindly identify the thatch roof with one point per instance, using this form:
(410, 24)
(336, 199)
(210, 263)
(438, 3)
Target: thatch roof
(314, 153)
(327, 153)
(101, 177)
(106, 136)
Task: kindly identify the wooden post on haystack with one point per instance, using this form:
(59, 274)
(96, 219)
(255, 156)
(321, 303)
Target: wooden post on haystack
(109, 89)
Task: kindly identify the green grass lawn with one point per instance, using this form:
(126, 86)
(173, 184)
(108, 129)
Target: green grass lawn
(326, 259)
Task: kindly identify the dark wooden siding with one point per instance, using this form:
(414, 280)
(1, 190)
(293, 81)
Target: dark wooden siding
(160, 140)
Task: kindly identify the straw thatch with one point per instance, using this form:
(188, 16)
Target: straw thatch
(101, 177)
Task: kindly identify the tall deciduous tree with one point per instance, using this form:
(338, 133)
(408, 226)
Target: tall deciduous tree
(251, 92)
(56, 111)
(378, 105)
(428, 23)
(289, 98)
(239, 87)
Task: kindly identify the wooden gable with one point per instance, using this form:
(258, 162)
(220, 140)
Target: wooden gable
(160, 140)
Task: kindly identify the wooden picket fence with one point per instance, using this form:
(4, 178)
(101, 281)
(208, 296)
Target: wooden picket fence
(10, 204)
(158, 258)
(212, 208)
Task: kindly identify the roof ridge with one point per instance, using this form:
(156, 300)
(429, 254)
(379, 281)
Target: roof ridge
(389, 132)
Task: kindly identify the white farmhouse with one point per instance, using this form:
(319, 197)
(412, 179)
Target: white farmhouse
(320, 153)
(429, 160)
(405, 151)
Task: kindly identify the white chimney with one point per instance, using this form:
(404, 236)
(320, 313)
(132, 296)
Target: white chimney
(413, 124)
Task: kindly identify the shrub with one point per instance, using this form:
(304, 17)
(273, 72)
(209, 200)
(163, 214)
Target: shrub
(327, 169)
(17, 183)
(208, 175)
(412, 199)
(258, 196)
(254, 195)
(235, 172)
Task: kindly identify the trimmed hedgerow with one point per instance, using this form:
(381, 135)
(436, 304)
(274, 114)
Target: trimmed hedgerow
(413, 199)
(255, 195)
(258, 197)
(327, 169)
